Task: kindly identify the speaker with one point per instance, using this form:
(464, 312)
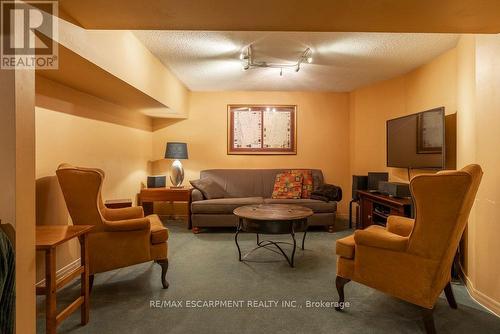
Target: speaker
(359, 182)
(395, 189)
(159, 181)
(374, 178)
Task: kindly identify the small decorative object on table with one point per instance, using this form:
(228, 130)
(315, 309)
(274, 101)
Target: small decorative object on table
(176, 151)
(157, 181)
(118, 203)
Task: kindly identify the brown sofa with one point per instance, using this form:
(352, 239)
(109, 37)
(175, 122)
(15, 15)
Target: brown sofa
(251, 186)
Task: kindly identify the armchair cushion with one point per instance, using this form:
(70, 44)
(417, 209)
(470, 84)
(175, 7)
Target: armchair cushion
(400, 225)
(136, 224)
(159, 233)
(345, 247)
(379, 237)
(123, 213)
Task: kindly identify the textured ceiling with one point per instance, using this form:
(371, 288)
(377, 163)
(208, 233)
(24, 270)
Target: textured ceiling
(209, 61)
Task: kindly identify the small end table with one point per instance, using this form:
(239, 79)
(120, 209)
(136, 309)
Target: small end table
(148, 196)
(48, 237)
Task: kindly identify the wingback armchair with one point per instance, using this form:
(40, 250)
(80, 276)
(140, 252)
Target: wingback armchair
(121, 237)
(411, 259)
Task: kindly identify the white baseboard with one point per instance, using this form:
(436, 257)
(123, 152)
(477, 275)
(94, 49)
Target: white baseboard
(487, 302)
(64, 270)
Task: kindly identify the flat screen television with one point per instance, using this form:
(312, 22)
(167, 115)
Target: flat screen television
(417, 140)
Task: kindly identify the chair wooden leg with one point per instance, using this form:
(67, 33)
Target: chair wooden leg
(91, 282)
(450, 297)
(428, 318)
(339, 283)
(164, 268)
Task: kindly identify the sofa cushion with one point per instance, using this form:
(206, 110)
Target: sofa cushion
(251, 182)
(345, 247)
(287, 185)
(307, 182)
(315, 205)
(223, 205)
(159, 233)
(208, 188)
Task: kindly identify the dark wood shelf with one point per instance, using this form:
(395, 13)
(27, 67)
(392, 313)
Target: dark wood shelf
(392, 206)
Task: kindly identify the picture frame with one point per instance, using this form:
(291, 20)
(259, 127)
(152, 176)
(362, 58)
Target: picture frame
(261, 129)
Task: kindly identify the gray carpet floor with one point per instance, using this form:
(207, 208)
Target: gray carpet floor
(204, 267)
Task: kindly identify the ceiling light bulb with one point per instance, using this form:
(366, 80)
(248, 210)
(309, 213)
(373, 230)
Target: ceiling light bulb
(268, 109)
(274, 109)
(309, 59)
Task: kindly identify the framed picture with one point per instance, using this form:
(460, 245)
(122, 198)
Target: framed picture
(261, 129)
(430, 132)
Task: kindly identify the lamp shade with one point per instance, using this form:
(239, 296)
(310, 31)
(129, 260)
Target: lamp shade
(176, 151)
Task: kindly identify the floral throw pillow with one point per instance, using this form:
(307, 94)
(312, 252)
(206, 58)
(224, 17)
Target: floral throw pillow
(287, 185)
(307, 181)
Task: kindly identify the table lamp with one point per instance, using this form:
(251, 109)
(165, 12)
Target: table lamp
(176, 151)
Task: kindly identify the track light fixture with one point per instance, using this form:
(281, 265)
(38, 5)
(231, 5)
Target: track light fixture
(249, 62)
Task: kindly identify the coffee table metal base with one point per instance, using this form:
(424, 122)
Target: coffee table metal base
(246, 225)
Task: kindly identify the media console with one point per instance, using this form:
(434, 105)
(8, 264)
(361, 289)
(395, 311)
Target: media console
(376, 207)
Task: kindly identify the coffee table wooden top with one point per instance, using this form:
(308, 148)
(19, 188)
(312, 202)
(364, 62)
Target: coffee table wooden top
(273, 212)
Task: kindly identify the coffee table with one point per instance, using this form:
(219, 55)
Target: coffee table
(272, 219)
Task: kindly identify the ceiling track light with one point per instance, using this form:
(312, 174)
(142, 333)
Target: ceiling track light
(249, 62)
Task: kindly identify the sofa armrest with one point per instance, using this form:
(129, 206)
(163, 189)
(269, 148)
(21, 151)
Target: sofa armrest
(123, 213)
(400, 225)
(379, 237)
(137, 224)
(196, 196)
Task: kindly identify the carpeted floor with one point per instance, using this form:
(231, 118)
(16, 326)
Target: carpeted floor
(205, 268)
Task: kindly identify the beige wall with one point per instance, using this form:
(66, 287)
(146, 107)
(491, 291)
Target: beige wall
(122, 152)
(483, 141)
(17, 176)
(322, 135)
(466, 135)
(431, 85)
(465, 80)
(127, 59)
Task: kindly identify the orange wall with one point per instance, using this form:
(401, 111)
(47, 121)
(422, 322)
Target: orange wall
(322, 135)
(17, 176)
(484, 268)
(121, 151)
(431, 85)
(465, 80)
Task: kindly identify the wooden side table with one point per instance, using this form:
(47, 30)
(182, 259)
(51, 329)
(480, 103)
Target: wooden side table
(48, 237)
(148, 196)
